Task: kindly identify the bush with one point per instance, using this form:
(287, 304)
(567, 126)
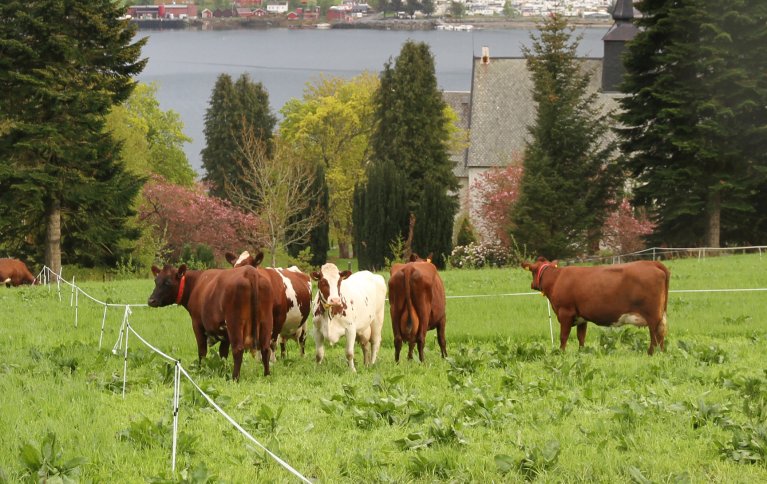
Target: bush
(477, 255)
(466, 232)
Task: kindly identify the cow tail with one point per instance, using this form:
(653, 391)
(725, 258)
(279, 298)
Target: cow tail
(254, 280)
(412, 319)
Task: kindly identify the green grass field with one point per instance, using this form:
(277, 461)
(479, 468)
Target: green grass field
(504, 407)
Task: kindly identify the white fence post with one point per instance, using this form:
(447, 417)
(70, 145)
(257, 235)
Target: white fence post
(103, 321)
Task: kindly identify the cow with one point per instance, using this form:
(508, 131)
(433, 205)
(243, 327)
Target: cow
(14, 272)
(350, 305)
(233, 306)
(293, 297)
(612, 295)
(416, 305)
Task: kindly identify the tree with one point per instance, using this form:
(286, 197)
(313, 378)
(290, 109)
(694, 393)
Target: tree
(457, 9)
(319, 240)
(277, 190)
(413, 133)
(66, 63)
(695, 116)
(183, 217)
(151, 138)
(570, 173)
(331, 125)
(497, 190)
(232, 106)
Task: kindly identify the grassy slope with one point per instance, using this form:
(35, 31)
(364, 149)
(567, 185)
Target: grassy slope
(615, 412)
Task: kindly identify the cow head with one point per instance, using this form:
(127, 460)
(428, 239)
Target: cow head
(329, 287)
(168, 286)
(416, 258)
(537, 268)
(245, 259)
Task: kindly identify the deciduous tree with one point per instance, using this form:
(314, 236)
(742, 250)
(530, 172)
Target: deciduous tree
(64, 65)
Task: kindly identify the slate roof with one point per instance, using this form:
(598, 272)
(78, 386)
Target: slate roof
(502, 108)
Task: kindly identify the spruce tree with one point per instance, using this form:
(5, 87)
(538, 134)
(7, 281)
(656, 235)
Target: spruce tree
(412, 135)
(694, 118)
(234, 107)
(570, 176)
(63, 65)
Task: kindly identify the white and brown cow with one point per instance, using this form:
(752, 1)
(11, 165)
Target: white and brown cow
(14, 272)
(293, 303)
(350, 305)
(612, 295)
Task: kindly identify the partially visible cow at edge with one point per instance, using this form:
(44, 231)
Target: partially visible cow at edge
(612, 295)
(350, 305)
(292, 298)
(233, 306)
(13, 272)
(416, 305)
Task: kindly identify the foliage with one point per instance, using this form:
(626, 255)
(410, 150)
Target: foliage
(278, 190)
(47, 463)
(496, 190)
(234, 105)
(60, 170)
(466, 233)
(331, 126)
(183, 216)
(479, 255)
(570, 176)
(694, 119)
(625, 229)
(152, 139)
(313, 252)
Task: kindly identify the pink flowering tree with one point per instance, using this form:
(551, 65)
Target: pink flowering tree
(497, 190)
(624, 229)
(182, 216)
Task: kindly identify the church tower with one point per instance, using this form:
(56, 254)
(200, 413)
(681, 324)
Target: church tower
(622, 31)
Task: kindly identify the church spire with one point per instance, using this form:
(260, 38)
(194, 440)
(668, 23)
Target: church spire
(621, 32)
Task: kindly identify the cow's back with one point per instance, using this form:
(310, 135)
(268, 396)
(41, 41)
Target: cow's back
(362, 286)
(15, 272)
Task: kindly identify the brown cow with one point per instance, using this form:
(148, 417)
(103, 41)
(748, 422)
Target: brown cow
(233, 306)
(13, 272)
(416, 305)
(613, 295)
(292, 304)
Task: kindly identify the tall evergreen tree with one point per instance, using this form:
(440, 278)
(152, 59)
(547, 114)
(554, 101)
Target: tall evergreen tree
(412, 134)
(570, 176)
(234, 107)
(63, 65)
(319, 241)
(695, 116)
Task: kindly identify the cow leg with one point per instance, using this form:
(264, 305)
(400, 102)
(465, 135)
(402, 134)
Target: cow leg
(581, 331)
(441, 338)
(273, 351)
(410, 346)
(420, 340)
(283, 349)
(202, 341)
(564, 332)
(319, 345)
(237, 356)
(223, 349)
(302, 341)
(350, 338)
(397, 346)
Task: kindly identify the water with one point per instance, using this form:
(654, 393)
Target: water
(185, 64)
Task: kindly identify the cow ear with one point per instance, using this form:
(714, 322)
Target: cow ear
(316, 276)
(230, 258)
(155, 270)
(555, 262)
(345, 274)
(181, 271)
(525, 265)
(257, 259)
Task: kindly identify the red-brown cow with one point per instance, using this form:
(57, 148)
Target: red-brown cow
(291, 304)
(233, 306)
(13, 272)
(416, 305)
(613, 295)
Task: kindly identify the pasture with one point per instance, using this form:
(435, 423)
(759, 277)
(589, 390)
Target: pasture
(504, 407)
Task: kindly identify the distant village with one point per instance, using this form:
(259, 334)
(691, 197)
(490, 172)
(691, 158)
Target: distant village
(350, 11)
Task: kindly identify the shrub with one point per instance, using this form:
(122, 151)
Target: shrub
(479, 255)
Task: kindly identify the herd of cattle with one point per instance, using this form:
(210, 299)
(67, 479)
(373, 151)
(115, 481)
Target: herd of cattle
(250, 307)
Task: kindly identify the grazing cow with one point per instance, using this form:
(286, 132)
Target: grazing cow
(612, 295)
(292, 303)
(416, 305)
(350, 305)
(13, 272)
(233, 306)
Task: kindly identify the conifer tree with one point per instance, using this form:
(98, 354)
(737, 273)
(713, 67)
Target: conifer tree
(234, 106)
(319, 241)
(695, 115)
(412, 134)
(570, 175)
(66, 193)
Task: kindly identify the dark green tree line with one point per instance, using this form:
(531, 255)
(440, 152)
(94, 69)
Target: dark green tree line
(570, 173)
(64, 190)
(695, 119)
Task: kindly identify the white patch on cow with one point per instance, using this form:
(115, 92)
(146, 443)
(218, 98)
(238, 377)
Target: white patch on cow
(293, 317)
(242, 258)
(631, 318)
(7, 281)
(294, 269)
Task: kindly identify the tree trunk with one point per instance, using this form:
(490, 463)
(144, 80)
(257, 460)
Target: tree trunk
(53, 236)
(408, 249)
(714, 212)
(344, 251)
